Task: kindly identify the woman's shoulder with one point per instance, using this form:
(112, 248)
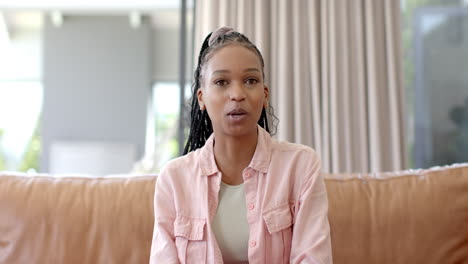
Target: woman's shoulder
(187, 162)
(293, 156)
(289, 148)
(301, 164)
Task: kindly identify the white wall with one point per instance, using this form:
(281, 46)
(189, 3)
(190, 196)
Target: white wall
(97, 76)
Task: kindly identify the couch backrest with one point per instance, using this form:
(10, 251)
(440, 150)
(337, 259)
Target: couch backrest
(408, 217)
(78, 220)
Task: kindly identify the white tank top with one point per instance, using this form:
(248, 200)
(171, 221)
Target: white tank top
(230, 224)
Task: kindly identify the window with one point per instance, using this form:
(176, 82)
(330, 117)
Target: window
(21, 90)
(436, 61)
(166, 121)
(20, 107)
(162, 142)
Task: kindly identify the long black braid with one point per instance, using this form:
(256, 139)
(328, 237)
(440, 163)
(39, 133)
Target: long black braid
(200, 122)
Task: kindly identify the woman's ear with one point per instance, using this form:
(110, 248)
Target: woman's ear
(200, 99)
(267, 93)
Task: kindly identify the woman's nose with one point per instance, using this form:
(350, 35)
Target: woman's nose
(237, 92)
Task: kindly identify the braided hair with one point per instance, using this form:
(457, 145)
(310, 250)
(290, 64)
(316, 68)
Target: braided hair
(200, 122)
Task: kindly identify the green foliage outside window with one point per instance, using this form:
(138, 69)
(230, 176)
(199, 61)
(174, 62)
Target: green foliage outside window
(166, 132)
(2, 154)
(30, 159)
(458, 140)
(31, 155)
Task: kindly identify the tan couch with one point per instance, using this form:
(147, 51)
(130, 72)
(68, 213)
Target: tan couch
(408, 217)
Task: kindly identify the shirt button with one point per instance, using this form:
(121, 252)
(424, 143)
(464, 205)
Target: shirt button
(247, 174)
(253, 243)
(251, 206)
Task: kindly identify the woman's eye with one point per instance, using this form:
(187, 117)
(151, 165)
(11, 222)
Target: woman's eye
(221, 82)
(251, 81)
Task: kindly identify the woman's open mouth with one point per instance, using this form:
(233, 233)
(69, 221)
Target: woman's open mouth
(237, 114)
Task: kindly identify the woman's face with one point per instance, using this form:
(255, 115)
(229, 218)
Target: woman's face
(232, 90)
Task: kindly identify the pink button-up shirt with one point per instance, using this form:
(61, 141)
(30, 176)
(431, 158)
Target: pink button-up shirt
(286, 200)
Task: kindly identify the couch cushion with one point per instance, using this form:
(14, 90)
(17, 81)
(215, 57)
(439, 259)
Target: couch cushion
(409, 217)
(75, 219)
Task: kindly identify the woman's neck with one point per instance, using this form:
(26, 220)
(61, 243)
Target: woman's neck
(233, 155)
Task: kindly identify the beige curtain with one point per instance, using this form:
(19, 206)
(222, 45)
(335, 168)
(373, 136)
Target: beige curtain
(334, 68)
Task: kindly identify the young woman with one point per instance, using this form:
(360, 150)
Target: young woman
(238, 196)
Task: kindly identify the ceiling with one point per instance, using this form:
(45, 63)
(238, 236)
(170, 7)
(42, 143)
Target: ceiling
(29, 15)
(94, 5)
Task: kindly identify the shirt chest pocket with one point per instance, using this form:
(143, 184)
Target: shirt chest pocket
(279, 223)
(190, 239)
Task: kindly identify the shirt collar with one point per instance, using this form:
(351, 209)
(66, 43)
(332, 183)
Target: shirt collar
(260, 160)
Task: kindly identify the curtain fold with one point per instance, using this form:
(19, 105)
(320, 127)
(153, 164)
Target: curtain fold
(334, 69)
